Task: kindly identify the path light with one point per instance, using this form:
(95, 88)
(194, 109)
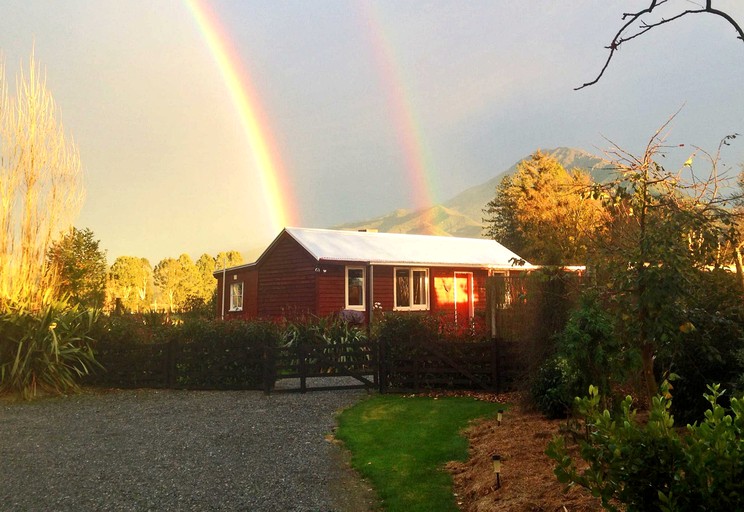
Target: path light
(496, 459)
(499, 415)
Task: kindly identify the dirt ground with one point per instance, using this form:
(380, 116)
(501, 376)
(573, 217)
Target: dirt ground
(527, 479)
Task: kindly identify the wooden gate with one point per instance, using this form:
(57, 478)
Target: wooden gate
(321, 367)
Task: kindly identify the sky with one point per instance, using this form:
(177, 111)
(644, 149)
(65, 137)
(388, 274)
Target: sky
(208, 126)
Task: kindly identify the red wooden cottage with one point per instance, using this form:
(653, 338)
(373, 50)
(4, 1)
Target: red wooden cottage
(321, 272)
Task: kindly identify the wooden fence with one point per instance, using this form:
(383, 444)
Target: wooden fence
(526, 311)
(406, 365)
(180, 365)
(523, 314)
(416, 365)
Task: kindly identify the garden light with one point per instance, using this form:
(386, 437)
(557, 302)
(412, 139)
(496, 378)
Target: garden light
(499, 416)
(496, 460)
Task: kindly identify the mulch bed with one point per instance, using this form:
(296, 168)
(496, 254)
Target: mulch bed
(527, 479)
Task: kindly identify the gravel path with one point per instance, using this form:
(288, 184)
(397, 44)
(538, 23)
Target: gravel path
(177, 450)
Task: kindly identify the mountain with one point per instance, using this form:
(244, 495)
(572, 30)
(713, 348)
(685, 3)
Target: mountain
(472, 201)
(462, 215)
(437, 220)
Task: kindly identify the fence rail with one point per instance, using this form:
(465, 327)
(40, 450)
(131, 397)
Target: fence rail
(412, 365)
(180, 365)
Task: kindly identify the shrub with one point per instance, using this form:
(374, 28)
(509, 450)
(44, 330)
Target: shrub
(150, 350)
(554, 387)
(47, 349)
(708, 340)
(587, 351)
(140, 328)
(650, 466)
(330, 336)
(462, 332)
(394, 329)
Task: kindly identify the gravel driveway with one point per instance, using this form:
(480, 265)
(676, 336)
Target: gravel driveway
(177, 450)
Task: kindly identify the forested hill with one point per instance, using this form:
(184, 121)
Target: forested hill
(462, 215)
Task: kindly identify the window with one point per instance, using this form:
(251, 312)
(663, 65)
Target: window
(411, 289)
(355, 288)
(236, 297)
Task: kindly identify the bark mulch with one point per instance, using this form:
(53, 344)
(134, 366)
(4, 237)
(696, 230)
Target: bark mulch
(527, 479)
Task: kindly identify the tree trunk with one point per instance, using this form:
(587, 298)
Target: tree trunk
(739, 267)
(649, 378)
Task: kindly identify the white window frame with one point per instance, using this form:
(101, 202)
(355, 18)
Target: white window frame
(412, 307)
(234, 306)
(355, 307)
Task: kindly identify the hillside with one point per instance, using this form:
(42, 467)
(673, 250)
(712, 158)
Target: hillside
(462, 215)
(437, 220)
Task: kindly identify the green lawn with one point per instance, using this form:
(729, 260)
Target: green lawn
(400, 445)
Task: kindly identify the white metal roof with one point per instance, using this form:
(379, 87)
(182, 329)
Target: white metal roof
(394, 248)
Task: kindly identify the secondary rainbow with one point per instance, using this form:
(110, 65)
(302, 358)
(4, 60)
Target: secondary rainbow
(272, 177)
(409, 133)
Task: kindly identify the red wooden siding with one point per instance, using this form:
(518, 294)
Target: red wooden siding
(286, 280)
(331, 289)
(249, 278)
(383, 288)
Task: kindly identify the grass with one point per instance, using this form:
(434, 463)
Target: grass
(400, 444)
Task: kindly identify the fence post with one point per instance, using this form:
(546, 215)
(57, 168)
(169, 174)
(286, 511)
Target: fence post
(382, 378)
(500, 358)
(495, 366)
(301, 353)
(268, 366)
(170, 364)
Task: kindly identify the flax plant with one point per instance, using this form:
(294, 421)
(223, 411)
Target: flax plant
(46, 349)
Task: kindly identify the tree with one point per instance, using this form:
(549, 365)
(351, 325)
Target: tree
(630, 31)
(131, 281)
(190, 285)
(168, 275)
(205, 265)
(543, 213)
(227, 259)
(184, 285)
(40, 185)
(661, 233)
(80, 267)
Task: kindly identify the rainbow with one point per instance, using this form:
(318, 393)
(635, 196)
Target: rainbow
(272, 176)
(409, 133)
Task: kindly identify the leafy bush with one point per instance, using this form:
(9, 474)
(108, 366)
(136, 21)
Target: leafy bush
(709, 340)
(150, 350)
(474, 329)
(222, 355)
(554, 387)
(141, 328)
(397, 328)
(587, 352)
(651, 466)
(330, 336)
(46, 349)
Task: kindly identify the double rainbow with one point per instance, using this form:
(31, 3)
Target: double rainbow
(408, 130)
(275, 186)
(274, 183)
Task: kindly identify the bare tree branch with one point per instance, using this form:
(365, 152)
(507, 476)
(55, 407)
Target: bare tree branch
(623, 35)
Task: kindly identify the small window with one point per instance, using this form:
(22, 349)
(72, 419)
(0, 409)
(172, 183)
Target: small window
(236, 297)
(355, 288)
(411, 289)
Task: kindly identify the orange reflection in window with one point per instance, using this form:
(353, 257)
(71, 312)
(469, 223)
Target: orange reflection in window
(444, 290)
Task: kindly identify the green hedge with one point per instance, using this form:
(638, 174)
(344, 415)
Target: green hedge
(150, 351)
